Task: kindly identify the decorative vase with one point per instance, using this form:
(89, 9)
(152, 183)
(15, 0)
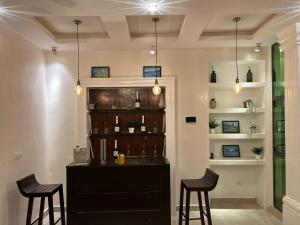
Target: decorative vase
(212, 103)
(131, 130)
(249, 75)
(252, 129)
(258, 157)
(213, 76)
(212, 130)
(162, 103)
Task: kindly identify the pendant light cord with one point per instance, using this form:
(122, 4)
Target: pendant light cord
(236, 48)
(155, 50)
(77, 37)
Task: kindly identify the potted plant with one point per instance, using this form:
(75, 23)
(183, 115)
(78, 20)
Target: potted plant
(213, 125)
(131, 126)
(258, 152)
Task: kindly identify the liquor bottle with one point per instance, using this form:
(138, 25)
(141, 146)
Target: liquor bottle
(213, 76)
(116, 151)
(117, 126)
(137, 103)
(143, 126)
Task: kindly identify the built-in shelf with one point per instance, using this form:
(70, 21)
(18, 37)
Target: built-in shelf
(236, 136)
(236, 162)
(244, 85)
(233, 110)
(126, 110)
(128, 134)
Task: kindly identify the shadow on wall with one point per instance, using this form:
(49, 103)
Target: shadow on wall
(11, 206)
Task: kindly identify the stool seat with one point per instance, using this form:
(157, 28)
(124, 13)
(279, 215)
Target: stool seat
(196, 184)
(41, 190)
(30, 188)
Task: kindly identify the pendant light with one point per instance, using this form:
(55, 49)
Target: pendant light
(78, 88)
(237, 86)
(156, 89)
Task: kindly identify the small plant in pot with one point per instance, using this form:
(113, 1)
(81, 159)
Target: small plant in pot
(131, 126)
(258, 152)
(213, 124)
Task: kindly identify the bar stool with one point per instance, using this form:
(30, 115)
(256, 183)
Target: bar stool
(30, 188)
(205, 184)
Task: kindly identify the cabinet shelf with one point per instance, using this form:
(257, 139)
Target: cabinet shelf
(236, 136)
(246, 85)
(233, 110)
(156, 110)
(236, 162)
(127, 134)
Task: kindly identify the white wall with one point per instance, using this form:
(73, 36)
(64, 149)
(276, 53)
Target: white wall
(191, 69)
(22, 121)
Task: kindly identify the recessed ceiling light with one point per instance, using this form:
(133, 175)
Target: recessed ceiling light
(153, 6)
(257, 47)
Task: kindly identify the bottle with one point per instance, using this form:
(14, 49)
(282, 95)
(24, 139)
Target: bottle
(143, 126)
(137, 103)
(143, 151)
(213, 76)
(249, 75)
(116, 151)
(117, 126)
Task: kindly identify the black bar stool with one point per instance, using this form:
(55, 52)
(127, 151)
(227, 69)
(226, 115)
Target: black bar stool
(205, 184)
(30, 188)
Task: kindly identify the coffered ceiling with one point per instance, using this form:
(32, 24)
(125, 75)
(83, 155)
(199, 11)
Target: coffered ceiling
(127, 24)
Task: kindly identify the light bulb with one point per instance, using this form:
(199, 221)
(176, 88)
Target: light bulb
(152, 51)
(78, 90)
(152, 6)
(156, 90)
(237, 87)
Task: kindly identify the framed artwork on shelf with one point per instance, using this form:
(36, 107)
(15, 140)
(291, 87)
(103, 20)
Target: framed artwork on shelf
(231, 127)
(231, 151)
(100, 72)
(150, 71)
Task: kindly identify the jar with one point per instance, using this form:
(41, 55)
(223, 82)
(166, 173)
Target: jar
(212, 103)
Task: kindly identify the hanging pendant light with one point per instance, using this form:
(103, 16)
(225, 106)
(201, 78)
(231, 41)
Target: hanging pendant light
(237, 86)
(156, 89)
(78, 88)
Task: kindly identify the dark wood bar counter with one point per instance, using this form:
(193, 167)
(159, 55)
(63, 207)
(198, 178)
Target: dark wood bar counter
(136, 193)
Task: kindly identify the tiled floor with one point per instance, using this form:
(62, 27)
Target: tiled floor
(239, 217)
(229, 217)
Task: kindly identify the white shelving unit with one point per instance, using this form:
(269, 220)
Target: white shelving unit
(240, 177)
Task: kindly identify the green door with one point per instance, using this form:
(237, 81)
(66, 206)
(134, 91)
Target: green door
(278, 126)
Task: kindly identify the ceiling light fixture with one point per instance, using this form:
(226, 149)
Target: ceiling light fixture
(237, 86)
(78, 88)
(156, 89)
(257, 47)
(54, 50)
(152, 6)
(152, 50)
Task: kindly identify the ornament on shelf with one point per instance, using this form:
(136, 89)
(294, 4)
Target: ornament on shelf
(213, 76)
(212, 103)
(249, 75)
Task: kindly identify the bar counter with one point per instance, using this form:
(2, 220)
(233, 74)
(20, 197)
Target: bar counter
(136, 193)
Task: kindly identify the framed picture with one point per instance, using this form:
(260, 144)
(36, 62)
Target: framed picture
(231, 151)
(280, 126)
(100, 72)
(231, 127)
(150, 71)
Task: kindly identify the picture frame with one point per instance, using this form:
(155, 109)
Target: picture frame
(280, 126)
(100, 72)
(150, 71)
(231, 151)
(231, 127)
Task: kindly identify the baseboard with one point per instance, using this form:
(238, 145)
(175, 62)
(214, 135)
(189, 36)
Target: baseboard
(275, 212)
(228, 203)
(292, 204)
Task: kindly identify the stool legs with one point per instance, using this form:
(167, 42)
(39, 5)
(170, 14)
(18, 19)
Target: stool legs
(41, 214)
(207, 208)
(187, 207)
(29, 211)
(181, 203)
(200, 208)
(62, 205)
(51, 212)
